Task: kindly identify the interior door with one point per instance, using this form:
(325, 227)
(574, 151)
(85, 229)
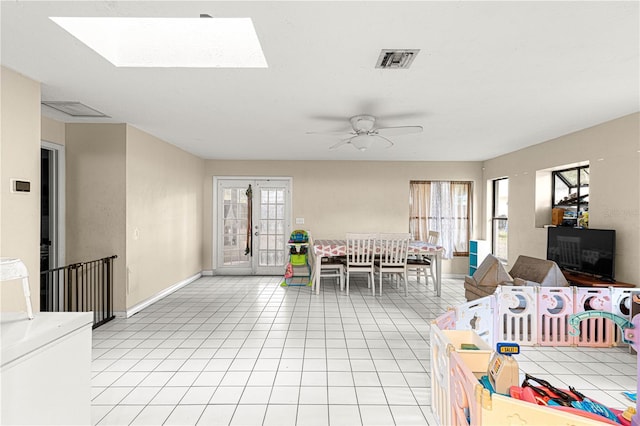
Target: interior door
(253, 225)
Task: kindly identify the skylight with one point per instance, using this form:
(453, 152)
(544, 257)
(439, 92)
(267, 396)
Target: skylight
(170, 42)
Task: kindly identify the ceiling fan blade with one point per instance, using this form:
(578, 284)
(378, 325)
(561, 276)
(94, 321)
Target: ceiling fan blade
(339, 144)
(401, 115)
(335, 133)
(330, 118)
(398, 130)
(387, 141)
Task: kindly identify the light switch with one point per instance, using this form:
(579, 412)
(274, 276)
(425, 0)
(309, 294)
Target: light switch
(299, 220)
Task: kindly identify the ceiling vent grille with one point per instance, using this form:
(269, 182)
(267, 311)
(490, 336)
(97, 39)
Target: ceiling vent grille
(396, 59)
(74, 109)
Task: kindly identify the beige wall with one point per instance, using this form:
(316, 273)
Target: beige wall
(20, 158)
(95, 198)
(135, 196)
(335, 197)
(612, 150)
(164, 215)
(52, 131)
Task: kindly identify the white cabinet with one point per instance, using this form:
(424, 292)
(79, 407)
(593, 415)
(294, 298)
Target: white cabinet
(478, 250)
(45, 374)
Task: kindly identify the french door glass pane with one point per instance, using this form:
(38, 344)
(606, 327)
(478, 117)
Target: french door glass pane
(234, 226)
(272, 248)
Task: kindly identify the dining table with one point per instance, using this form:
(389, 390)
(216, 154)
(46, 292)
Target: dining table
(332, 248)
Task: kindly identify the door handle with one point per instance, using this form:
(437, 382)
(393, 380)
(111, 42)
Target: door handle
(256, 234)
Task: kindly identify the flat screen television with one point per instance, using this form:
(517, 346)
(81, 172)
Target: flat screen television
(587, 251)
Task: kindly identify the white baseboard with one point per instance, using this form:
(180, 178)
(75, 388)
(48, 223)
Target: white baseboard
(207, 272)
(158, 296)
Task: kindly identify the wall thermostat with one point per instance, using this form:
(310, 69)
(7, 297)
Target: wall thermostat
(20, 185)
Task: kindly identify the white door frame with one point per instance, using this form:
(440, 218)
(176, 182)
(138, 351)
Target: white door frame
(58, 197)
(215, 222)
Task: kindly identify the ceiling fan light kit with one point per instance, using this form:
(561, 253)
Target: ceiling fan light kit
(362, 142)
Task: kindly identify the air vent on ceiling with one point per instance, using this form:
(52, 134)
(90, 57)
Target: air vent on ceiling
(74, 109)
(396, 59)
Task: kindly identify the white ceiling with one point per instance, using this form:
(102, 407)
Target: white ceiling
(491, 77)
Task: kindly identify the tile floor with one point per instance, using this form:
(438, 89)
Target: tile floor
(245, 351)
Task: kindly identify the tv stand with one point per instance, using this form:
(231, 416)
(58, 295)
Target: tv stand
(582, 280)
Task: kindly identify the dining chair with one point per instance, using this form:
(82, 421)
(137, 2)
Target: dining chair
(393, 258)
(360, 256)
(332, 267)
(329, 267)
(423, 264)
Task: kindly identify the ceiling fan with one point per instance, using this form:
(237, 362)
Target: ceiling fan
(364, 133)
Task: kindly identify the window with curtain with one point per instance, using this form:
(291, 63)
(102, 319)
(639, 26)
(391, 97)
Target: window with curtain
(442, 206)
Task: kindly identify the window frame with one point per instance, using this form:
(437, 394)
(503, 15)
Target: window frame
(495, 219)
(579, 204)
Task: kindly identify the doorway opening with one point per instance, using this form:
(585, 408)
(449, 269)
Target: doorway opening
(52, 242)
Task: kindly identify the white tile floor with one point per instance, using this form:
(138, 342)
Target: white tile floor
(245, 351)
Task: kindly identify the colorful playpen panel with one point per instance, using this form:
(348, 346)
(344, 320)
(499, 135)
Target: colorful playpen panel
(621, 301)
(555, 305)
(443, 343)
(464, 388)
(540, 316)
(528, 316)
(594, 332)
(446, 321)
(517, 309)
(477, 315)
(440, 404)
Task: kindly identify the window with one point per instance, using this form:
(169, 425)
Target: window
(570, 192)
(499, 218)
(445, 207)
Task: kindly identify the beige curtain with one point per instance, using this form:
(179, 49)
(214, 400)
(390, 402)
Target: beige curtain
(419, 207)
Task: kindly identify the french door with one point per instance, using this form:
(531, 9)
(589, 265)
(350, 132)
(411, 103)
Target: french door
(252, 225)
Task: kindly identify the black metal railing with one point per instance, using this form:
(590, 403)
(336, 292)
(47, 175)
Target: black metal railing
(80, 287)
